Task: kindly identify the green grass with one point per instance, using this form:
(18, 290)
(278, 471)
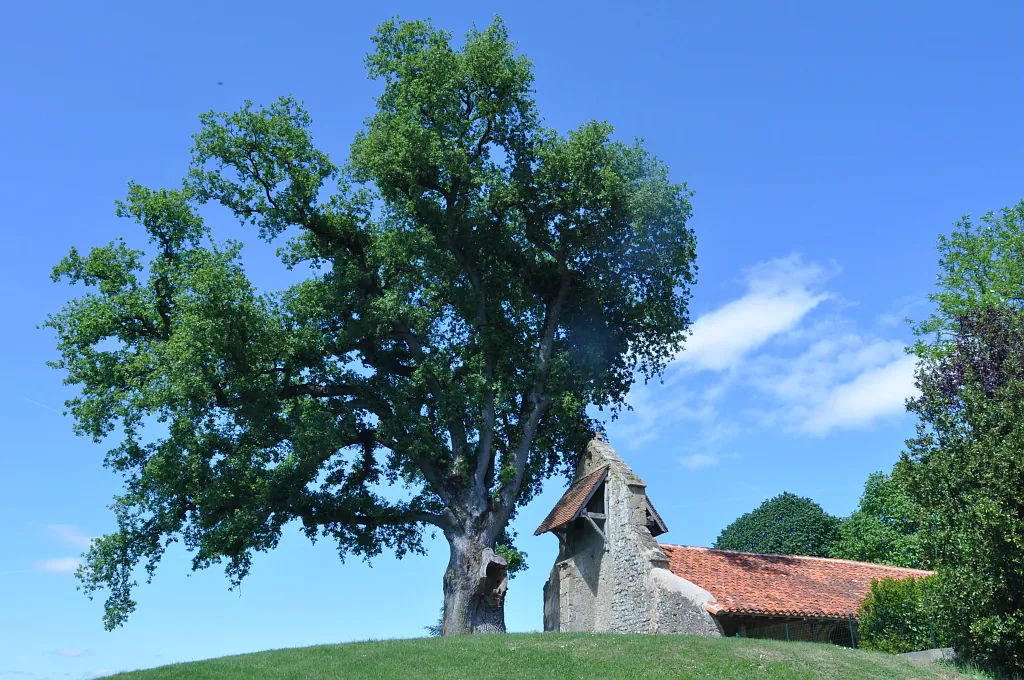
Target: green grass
(558, 655)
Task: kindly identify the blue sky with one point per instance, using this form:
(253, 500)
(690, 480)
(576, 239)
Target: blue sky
(828, 144)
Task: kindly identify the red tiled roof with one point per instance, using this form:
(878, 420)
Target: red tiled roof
(572, 501)
(779, 585)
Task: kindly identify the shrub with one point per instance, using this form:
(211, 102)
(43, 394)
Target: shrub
(897, 616)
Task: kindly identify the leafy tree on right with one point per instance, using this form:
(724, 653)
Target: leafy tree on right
(883, 529)
(965, 466)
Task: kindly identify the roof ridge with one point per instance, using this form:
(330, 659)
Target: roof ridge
(599, 450)
(802, 557)
(590, 474)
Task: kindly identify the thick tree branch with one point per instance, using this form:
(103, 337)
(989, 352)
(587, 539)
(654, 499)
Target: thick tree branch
(484, 138)
(361, 398)
(311, 390)
(435, 479)
(314, 517)
(539, 400)
(485, 449)
(480, 314)
(383, 360)
(456, 426)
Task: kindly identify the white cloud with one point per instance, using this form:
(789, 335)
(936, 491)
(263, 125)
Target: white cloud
(889, 320)
(70, 534)
(909, 306)
(830, 359)
(71, 653)
(58, 565)
(779, 294)
(875, 393)
(775, 358)
(840, 380)
(655, 405)
(698, 461)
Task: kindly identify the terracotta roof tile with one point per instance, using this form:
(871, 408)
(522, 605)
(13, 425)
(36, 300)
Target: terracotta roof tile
(779, 585)
(572, 501)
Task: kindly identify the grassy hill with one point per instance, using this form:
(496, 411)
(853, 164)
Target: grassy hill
(553, 655)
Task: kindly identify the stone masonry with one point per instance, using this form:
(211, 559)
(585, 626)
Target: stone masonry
(610, 574)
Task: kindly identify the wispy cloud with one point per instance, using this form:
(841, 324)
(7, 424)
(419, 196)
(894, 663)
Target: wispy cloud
(776, 357)
(651, 409)
(874, 394)
(70, 653)
(825, 362)
(70, 534)
(779, 294)
(699, 460)
(908, 306)
(840, 380)
(58, 565)
(48, 408)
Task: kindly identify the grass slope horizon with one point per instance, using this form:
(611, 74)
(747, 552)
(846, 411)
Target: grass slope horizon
(596, 656)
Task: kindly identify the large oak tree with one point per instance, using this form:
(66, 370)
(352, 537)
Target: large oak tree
(474, 282)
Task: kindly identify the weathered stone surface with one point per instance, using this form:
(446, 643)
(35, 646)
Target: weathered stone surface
(931, 655)
(611, 575)
(679, 606)
(600, 453)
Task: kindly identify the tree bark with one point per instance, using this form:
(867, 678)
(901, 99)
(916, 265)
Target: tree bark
(474, 587)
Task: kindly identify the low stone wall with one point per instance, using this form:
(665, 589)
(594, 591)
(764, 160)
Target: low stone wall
(931, 655)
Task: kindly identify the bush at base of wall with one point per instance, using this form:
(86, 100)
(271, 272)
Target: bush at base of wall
(897, 616)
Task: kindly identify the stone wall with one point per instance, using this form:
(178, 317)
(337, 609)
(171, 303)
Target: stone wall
(622, 584)
(679, 606)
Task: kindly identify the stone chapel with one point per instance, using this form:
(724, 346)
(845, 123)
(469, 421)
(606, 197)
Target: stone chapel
(612, 575)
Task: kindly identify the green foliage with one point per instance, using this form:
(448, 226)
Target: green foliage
(436, 629)
(884, 527)
(784, 525)
(474, 282)
(898, 616)
(980, 267)
(965, 466)
(516, 558)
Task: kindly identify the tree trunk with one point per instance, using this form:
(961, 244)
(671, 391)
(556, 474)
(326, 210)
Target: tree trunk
(474, 588)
